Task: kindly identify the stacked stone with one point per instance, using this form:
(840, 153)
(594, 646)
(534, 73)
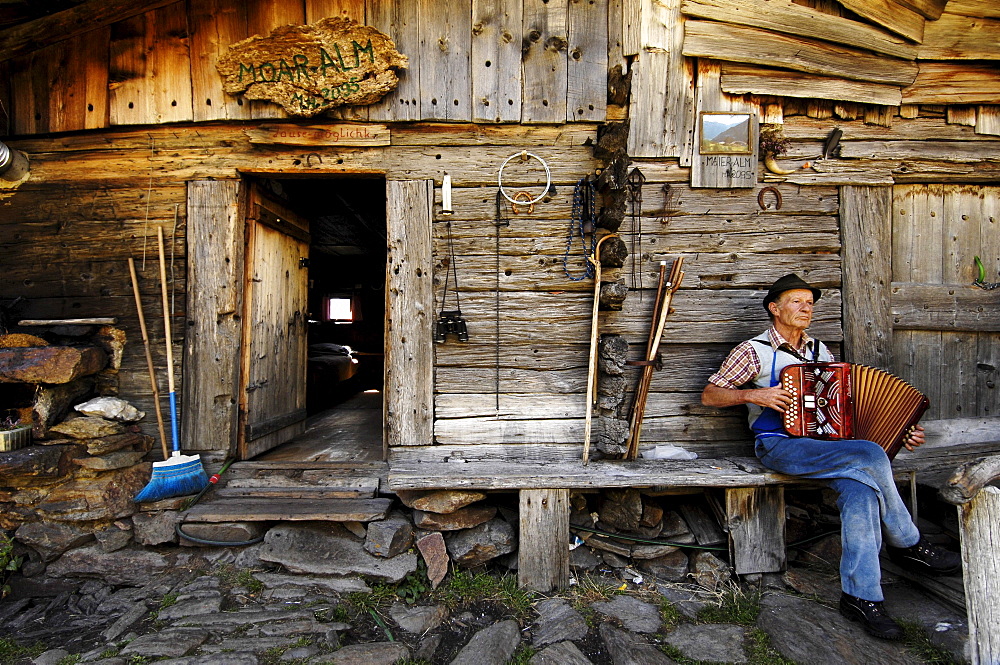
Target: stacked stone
(75, 486)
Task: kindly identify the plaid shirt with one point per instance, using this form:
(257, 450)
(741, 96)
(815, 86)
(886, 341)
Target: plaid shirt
(742, 365)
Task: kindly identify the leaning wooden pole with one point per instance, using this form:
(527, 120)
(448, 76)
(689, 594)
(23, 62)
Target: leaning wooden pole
(658, 324)
(971, 489)
(595, 260)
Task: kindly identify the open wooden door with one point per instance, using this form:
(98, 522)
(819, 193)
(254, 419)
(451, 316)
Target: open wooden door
(273, 359)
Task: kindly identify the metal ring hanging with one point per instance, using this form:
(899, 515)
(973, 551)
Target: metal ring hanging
(524, 154)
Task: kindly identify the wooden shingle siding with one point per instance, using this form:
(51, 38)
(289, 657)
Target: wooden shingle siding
(496, 61)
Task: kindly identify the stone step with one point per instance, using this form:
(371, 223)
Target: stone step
(364, 489)
(254, 509)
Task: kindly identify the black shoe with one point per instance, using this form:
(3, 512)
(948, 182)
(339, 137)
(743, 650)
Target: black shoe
(872, 617)
(926, 558)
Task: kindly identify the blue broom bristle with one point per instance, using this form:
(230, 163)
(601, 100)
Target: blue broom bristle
(176, 476)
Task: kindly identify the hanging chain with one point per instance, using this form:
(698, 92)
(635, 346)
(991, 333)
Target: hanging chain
(582, 221)
(635, 182)
(501, 221)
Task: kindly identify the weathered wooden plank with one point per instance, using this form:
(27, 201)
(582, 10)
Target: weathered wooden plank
(445, 50)
(212, 339)
(401, 21)
(82, 18)
(544, 42)
(890, 15)
(573, 474)
(214, 26)
(756, 521)
(751, 45)
(496, 61)
(265, 510)
(929, 9)
(981, 565)
(67, 86)
(662, 115)
(472, 166)
(943, 307)
(150, 68)
(988, 120)
(409, 350)
(866, 218)
(955, 37)
(794, 19)
(952, 83)
(961, 115)
(705, 270)
(742, 79)
(631, 37)
(943, 150)
(988, 361)
(542, 554)
(30, 105)
(320, 9)
(974, 8)
(263, 16)
(587, 62)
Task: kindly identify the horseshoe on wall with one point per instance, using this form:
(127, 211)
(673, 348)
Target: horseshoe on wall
(777, 198)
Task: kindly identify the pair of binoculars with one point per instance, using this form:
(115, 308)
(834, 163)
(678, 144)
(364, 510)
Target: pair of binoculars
(451, 323)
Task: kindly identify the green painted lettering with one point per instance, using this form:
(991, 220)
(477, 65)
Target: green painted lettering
(300, 61)
(263, 75)
(359, 49)
(250, 70)
(326, 61)
(340, 57)
(285, 70)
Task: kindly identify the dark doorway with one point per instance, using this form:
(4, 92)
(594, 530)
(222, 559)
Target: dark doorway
(346, 316)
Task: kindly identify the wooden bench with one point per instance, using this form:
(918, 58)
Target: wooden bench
(543, 475)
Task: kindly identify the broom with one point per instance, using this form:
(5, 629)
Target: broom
(179, 474)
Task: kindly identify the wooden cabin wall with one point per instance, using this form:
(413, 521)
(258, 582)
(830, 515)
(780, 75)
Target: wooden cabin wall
(534, 61)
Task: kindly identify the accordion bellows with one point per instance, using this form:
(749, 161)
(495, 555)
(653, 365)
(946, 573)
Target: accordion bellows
(848, 401)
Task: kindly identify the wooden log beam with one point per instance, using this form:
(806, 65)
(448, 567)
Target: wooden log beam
(969, 479)
(72, 22)
(943, 307)
(950, 151)
(793, 19)
(954, 37)
(890, 15)
(744, 79)
(721, 41)
(979, 521)
(543, 540)
(929, 9)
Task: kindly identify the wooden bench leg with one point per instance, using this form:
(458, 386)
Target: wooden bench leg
(756, 517)
(543, 544)
(980, 528)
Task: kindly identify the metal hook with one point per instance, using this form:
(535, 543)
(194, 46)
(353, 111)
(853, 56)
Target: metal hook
(309, 158)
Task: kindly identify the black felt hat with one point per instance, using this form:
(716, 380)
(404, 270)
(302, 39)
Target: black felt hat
(787, 283)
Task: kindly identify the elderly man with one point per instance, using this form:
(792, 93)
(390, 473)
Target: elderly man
(857, 470)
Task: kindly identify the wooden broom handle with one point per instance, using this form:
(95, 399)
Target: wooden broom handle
(149, 358)
(166, 311)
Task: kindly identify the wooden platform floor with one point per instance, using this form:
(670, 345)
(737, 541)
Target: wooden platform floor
(349, 432)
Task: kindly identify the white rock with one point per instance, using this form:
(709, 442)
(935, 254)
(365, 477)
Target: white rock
(112, 408)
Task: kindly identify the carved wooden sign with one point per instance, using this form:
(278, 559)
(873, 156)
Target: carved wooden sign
(309, 69)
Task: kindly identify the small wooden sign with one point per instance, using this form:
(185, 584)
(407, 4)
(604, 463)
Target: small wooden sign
(726, 153)
(309, 69)
(320, 135)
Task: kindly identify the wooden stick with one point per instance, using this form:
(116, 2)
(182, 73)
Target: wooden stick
(175, 435)
(149, 357)
(592, 361)
(642, 393)
(97, 321)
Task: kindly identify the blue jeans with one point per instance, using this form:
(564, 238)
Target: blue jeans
(869, 502)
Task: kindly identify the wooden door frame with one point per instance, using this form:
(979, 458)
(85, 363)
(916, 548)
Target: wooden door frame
(213, 343)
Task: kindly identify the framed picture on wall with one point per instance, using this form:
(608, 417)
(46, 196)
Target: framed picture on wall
(725, 133)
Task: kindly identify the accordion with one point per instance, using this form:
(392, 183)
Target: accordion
(847, 401)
